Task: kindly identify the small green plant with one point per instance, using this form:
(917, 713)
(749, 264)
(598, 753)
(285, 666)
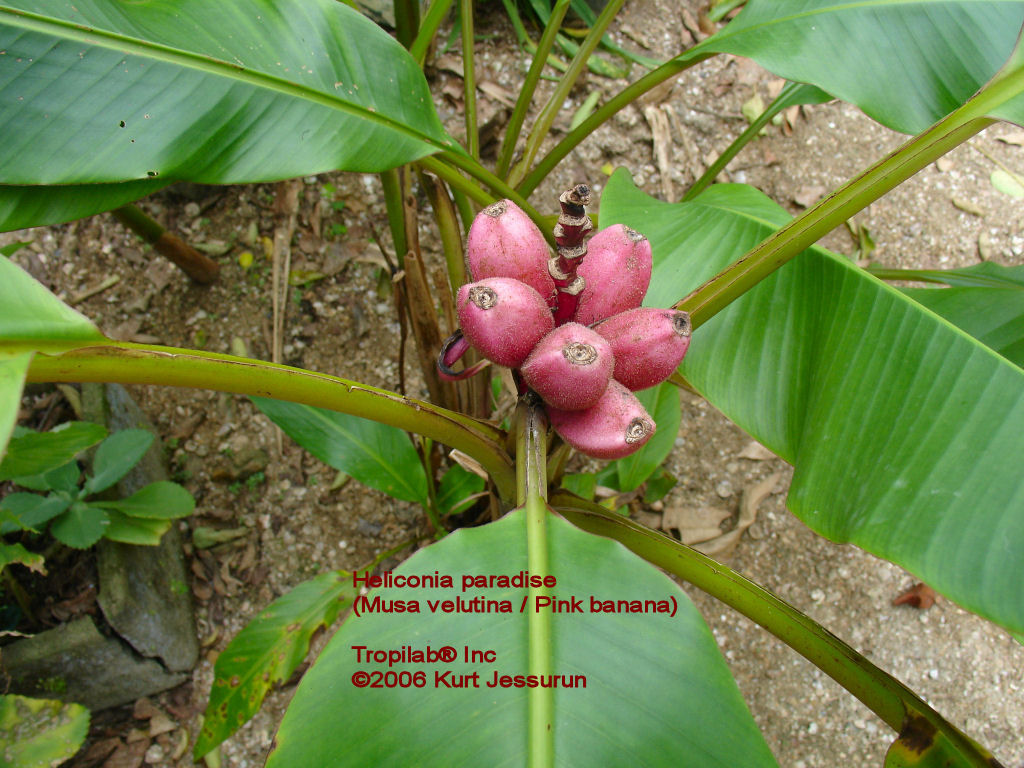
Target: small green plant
(39, 733)
(73, 507)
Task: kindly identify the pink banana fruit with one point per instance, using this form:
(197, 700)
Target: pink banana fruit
(615, 427)
(503, 319)
(616, 271)
(648, 344)
(504, 242)
(570, 368)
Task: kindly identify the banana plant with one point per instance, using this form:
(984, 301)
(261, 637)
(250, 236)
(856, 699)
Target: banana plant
(819, 360)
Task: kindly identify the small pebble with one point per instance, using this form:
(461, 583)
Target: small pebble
(154, 754)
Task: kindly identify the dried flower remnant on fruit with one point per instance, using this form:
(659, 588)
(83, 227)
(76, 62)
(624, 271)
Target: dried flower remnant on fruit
(579, 353)
(638, 430)
(483, 297)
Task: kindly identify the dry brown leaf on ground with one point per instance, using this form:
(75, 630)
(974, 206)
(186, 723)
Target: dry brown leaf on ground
(658, 121)
(752, 497)
(756, 452)
(496, 92)
(127, 755)
(919, 596)
(695, 524)
(1015, 137)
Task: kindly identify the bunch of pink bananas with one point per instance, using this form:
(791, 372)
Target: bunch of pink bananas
(570, 325)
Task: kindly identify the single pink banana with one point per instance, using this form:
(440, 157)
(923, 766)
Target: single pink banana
(570, 368)
(648, 344)
(616, 427)
(616, 272)
(503, 319)
(504, 242)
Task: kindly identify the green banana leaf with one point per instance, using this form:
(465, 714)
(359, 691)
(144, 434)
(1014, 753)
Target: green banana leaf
(905, 63)
(32, 318)
(26, 206)
(375, 454)
(210, 92)
(905, 433)
(267, 651)
(668, 679)
(35, 319)
(12, 380)
(986, 300)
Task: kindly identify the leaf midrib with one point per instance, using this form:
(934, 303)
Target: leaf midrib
(208, 65)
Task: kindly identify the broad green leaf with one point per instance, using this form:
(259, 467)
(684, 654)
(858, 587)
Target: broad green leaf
(29, 510)
(670, 684)
(906, 63)
(135, 530)
(63, 478)
(1009, 77)
(30, 206)
(80, 526)
(15, 553)
(34, 318)
(456, 489)
(12, 379)
(162, 500)
(239, 92)
(582, 484)
(267, 651)
(375, 454)
(904, 431)
(40, 733)
(662, 403)
(40, 452)
(986, 300)
(658, 486)
(115, 456)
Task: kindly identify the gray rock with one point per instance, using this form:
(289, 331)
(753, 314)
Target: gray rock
(76, 663)
(144, 590)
